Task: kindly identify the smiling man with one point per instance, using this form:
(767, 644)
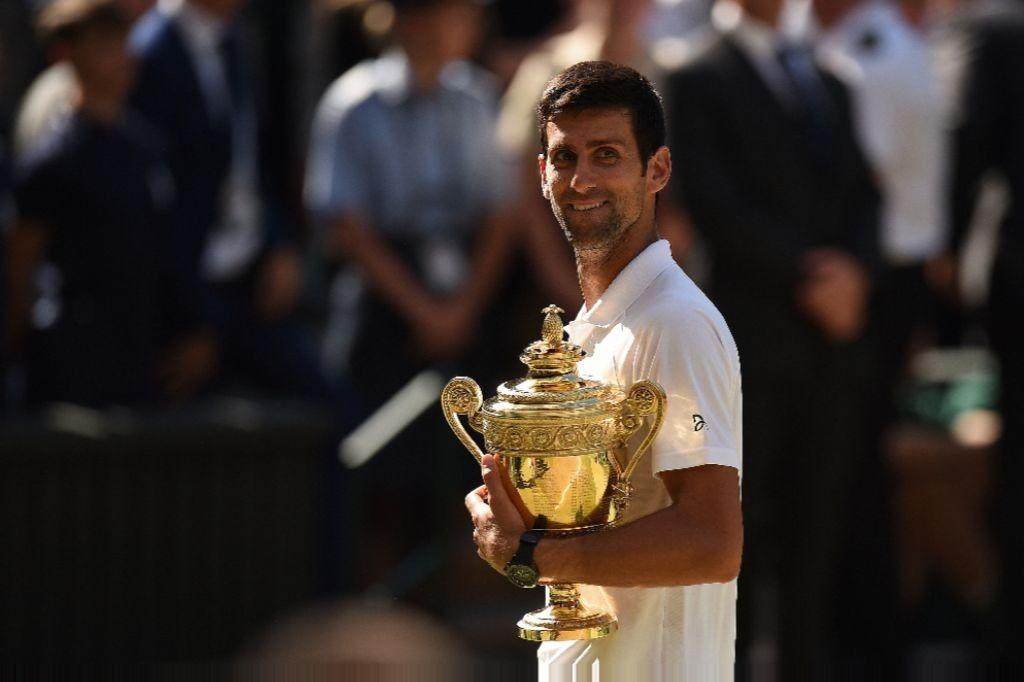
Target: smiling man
(669, 571)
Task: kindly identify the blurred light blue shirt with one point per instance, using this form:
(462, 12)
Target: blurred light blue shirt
(414, 164)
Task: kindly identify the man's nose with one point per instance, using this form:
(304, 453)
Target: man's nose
(583, 178)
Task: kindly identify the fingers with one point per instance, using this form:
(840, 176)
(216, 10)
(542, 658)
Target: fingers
(477, 506)
(492, 481)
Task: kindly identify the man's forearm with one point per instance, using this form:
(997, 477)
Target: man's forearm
(384, 271)
(490, 259)
(658, 550)
(25, 248)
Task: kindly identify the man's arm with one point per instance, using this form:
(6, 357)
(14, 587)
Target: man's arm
(26, 245)
(383, 270)
(697, 539)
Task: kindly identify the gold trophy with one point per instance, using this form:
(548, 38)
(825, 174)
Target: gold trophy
(555, 437)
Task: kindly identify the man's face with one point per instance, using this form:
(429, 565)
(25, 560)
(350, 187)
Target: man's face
(451, 30)
(594, 177)
(101, 59)
(223, 9)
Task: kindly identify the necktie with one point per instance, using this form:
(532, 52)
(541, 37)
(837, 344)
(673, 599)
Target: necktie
(809, 92)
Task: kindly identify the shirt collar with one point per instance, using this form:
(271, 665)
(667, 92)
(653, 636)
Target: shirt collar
(757, 39)
(201, 30)
(627, 286)
(394, 77)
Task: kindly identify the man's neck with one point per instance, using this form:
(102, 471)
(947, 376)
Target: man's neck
(103, 110)
(598, 268)
(425, 70)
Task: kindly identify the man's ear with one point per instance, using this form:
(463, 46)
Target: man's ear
(542, 167)
(659, 169)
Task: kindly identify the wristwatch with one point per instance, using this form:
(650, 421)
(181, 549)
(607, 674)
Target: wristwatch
(521, 571)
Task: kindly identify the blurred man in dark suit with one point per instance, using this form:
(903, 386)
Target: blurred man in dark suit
(194, 88)
(94, 302)
(987, 38)
(775, 182)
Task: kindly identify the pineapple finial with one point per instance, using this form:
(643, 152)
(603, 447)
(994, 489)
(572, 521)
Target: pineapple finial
(551, 330)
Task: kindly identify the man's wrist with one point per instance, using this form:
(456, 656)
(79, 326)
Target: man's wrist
(521, 570)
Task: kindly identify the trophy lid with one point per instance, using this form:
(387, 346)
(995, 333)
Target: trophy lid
(552, 389)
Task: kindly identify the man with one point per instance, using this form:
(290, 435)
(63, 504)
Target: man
(987, 37)
(426, 231)
(886, 62)
(611, 30)
(402, 186)
(194, 88)
(772, 176)
(95, 302)
(669, 572)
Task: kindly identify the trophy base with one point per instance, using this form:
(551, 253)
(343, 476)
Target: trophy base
(565, 618)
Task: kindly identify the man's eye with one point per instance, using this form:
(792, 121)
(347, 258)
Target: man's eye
(563, 156)
(607, 154)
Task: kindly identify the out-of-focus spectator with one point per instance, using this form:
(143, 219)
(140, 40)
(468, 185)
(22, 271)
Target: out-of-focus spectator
(885, 60)
(987, 40)
(407, 187)
(403, 179)
(231, 241)
(98, 312)
(771, 173)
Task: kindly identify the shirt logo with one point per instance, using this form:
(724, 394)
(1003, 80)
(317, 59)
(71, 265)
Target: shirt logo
(698, 423)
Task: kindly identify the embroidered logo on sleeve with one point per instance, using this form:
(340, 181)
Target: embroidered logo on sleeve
(698, 423)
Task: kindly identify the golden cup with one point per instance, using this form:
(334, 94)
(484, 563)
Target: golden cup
(555, 436)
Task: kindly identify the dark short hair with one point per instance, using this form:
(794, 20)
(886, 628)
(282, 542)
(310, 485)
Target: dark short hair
(592, 85)
(64, 20)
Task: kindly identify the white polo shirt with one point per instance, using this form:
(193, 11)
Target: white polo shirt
(654, 323)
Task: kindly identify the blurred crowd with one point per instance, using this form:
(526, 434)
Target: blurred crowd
(323, 199)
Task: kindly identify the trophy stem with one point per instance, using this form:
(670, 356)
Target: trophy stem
(564, 596)
(566, 617)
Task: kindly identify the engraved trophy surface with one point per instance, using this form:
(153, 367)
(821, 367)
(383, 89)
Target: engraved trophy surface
(554, 435)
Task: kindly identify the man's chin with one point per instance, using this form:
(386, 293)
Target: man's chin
(590, 240)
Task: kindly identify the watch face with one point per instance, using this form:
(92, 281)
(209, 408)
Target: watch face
(521, 575)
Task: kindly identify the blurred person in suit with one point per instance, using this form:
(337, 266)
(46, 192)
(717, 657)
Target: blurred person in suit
(98, 313)
(232, 245)
(984, 42)
(402, 183)
(771, 173)
(882, 51)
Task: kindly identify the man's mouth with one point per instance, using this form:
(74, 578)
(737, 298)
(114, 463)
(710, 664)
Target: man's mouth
(586, 206)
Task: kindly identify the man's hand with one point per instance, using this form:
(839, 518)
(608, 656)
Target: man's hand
(497, 525)
(279, 285)
(187, 365)
(445, 329)
(942, 273)
(835, 294)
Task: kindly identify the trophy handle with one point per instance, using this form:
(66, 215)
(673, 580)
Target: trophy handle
(645, 398)
(462, 395)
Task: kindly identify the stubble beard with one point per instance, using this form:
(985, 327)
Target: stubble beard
(597, 237)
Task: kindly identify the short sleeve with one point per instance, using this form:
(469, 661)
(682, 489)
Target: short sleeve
(335, 183)
(699, 371)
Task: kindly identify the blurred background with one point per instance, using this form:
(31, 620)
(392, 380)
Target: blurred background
(245, 243)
